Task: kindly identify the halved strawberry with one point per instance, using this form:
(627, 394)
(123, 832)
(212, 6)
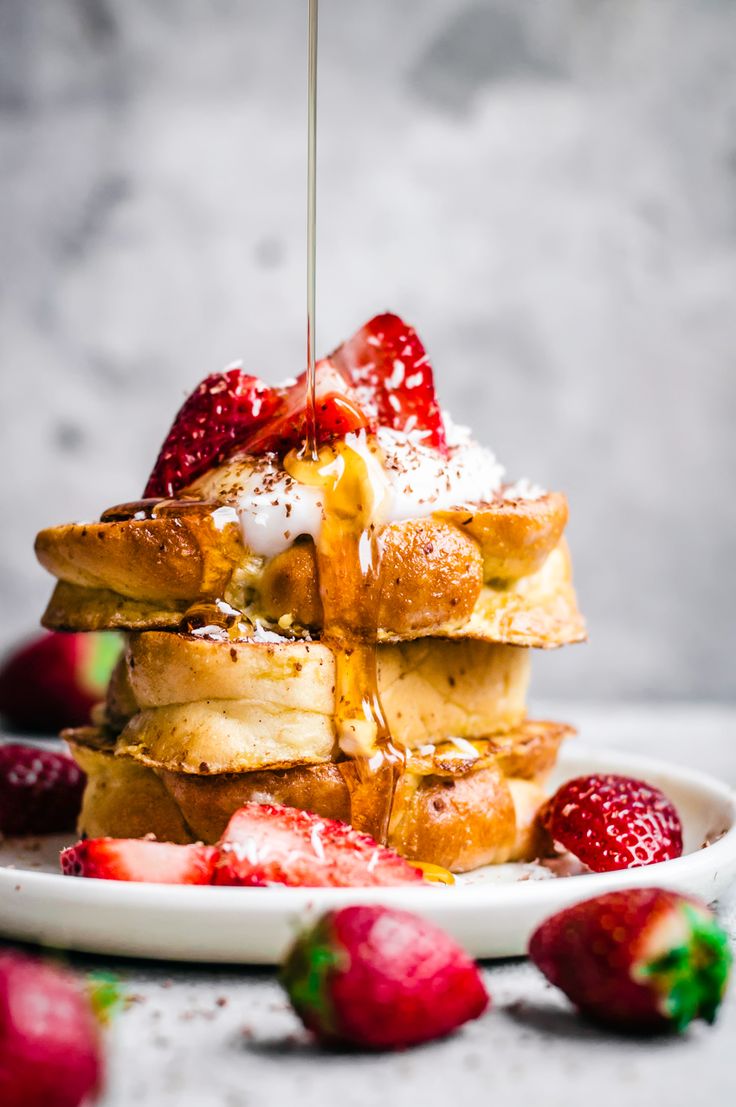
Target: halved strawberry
(139, 859)
(215, 420)
(390, 372)
(272, 844)
(336, 412)
(379, 377)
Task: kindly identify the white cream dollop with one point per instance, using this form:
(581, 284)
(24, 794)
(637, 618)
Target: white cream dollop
(274, 509)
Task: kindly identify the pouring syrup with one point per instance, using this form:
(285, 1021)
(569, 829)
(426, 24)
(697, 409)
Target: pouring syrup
(354, 490)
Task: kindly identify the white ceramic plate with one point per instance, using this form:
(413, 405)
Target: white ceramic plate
(491, 912)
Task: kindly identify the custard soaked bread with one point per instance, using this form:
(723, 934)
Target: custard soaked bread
(243, 705)
(498, 571)
(344, 627)
(461, 805)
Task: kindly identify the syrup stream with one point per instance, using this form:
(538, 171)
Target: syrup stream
(354, 485)
(311, 444)
(348, 556)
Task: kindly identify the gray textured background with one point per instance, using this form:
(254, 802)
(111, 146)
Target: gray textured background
(546, 189)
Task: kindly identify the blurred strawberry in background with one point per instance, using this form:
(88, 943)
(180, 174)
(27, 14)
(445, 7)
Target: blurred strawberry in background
(55, 680)
(50, 1044)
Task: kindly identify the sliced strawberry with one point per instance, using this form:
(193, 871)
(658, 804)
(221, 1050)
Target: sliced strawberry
(388, 367)
(613, 822)
(381, 376)
(139, 859)
(40, 790)
(336, 410)
(215, 420)
(272, 844)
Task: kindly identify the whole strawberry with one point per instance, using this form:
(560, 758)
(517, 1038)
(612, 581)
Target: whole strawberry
(50, 1053)
(613, 822)
(641, 959)
(381, 979)
(56, 680)
(40, 790)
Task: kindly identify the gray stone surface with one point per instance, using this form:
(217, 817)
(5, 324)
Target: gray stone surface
(224, 1037)
(546, 189)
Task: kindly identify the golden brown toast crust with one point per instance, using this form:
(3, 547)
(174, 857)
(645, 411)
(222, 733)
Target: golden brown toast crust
(184, 702)
(162, 560)
(145, 573)
(515, 536)
(538, 611)
(456, 812)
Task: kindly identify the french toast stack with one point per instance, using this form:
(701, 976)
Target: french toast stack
(227, 689)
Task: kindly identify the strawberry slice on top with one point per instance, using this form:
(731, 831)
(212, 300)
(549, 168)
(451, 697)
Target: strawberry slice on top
(337, 413)
(388, 367)
(379, 377)
(213, 422)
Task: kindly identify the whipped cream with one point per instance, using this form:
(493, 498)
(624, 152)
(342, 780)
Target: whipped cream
(274, 509)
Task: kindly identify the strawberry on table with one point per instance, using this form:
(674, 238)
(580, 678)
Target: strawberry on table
(388, 367)
(55, 680)
(50, 1053)
(272, 844)
(642, 959)
(40, 790)
(381, 979)
(613, 822)
(139, 859)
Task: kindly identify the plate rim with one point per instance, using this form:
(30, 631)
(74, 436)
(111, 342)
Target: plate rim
(255, 901)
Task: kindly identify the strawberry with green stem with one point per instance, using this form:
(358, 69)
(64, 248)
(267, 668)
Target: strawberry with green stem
(382, 979)
(639, 960)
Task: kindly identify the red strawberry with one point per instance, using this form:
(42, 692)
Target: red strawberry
(392, 377)
(613, 822)
(381, 376)
(381, 979)
(40, 790)
(139, 859)
(233, 411)
(336, 411)
(640, 960)
(55, 680)
(50, 1053)
(271, 844)
(212, 422)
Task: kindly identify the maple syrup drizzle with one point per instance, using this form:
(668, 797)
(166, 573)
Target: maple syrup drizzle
(311, 421)
(354, 485)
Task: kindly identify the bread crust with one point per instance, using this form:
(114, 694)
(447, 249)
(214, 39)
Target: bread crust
(538, 611)
(240, 706)
(431, 575)
(456, 812)
(515, 536)
(498, 571)
(161, 560)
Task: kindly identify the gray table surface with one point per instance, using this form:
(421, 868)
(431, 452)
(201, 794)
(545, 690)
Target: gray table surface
(224, 1037)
